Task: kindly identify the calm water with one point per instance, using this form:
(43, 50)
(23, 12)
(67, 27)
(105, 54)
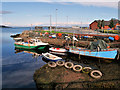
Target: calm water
(17, 68)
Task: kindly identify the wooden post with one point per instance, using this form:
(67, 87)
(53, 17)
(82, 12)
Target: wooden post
(79, 55)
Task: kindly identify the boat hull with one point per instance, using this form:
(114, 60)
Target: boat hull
(101, 54)
(47, 56)
(51, 59)
(41, 47)
(58, 50)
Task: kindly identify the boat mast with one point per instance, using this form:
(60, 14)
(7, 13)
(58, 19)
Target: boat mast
(73, 39)
(56, 19)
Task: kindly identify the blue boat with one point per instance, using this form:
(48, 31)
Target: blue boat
(51, 57)
(96, 49)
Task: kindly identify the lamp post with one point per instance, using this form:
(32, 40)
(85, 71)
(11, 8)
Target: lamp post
(67, 20)
(50, 23)
(31, 27)
(56, 19)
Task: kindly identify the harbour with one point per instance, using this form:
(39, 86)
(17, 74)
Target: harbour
(28, 59)
(54, 45)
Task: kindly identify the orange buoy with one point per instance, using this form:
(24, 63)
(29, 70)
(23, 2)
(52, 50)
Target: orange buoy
(116, 37)
(46, 33)
(59, 34)
(108, 46)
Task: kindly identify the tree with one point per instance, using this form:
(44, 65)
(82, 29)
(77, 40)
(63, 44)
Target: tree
(99, 24)
(102, 23)
(111, 25)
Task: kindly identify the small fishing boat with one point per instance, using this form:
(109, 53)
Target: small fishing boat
(98, 49)
(51, 57)
(31, 44)
(18, 38)
(57, 49)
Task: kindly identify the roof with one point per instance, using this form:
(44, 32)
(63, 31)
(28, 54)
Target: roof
(107, 23)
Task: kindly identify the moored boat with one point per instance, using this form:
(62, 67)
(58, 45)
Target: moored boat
(97, 49)
(51, 57)
(57, 49)
(31, 44)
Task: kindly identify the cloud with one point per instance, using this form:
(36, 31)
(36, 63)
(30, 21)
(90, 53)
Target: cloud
(65, 23)
(5, 12)
(60, 0)
(98, 3)
(7, 23)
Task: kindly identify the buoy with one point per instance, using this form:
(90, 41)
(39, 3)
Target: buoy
(116, 37)
(52, 64)
(60, 63)
(86, 69)
(69, 65)
(77, 68)
(59, 34)
(111, 38)
(96, 76)
(46, 33)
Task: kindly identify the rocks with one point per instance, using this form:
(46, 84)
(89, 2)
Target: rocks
(58, 77)
(63, 78)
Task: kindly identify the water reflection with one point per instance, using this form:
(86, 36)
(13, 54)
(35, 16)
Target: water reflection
(35, 53)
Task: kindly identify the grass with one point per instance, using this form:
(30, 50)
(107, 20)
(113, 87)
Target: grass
(111, 31)
(43, 31)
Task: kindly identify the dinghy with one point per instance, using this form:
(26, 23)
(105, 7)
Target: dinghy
(51, 57)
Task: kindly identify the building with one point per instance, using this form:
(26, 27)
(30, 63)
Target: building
(44, 27)
(75, 27)
(94, 25)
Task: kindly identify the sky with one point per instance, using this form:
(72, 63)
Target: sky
(37, 12)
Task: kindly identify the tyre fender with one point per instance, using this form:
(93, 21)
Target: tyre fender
(69, 63)
(52, 64)
(77, 70)
(60, 63)
(94, 76)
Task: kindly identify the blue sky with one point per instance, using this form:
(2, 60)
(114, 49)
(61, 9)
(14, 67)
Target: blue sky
(38, 13)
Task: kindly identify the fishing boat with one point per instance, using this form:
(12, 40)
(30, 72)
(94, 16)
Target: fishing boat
(99, 49)
(31, 44)
(51, 57)
(61, 50)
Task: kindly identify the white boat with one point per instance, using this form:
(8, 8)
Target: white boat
(16, 39)
(51, 57)
(57, 49)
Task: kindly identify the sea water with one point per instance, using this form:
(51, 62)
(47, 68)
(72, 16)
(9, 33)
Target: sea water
(17, 68)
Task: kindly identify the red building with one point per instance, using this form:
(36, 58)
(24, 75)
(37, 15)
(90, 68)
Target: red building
(94, 25)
